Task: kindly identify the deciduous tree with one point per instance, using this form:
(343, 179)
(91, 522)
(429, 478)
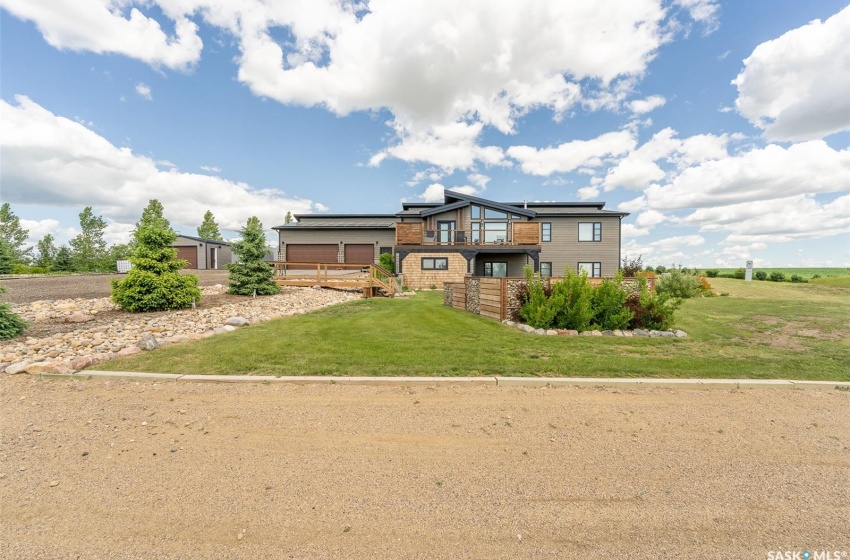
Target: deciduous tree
(209, 228)
(89, 247)
(14, 235)
(46, 252)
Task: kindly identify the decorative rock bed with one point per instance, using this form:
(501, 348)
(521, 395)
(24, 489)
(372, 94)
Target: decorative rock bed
(132, 333)
(624, 333)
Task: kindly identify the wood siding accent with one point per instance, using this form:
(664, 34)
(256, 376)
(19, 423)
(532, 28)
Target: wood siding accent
(418, 279)
(459, 295)
(491, 298)
(526, 233)
(408, 233)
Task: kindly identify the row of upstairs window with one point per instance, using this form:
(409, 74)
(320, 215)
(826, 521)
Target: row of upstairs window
(587, 231)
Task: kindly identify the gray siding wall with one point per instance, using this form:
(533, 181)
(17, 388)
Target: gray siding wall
(203, 251)
(566, 251)
(384, 237)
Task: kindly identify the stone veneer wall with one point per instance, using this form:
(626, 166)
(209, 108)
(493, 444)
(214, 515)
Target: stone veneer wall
(448, 293)
(418, 279)
(473, 291)
(514, 304)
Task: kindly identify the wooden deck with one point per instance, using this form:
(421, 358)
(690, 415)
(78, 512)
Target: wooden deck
(370, 278)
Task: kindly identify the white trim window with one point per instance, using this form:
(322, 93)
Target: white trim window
(593, 269)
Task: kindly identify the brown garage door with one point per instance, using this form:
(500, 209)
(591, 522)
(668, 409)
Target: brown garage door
(312, 253)
(188, 253)
(360, 254)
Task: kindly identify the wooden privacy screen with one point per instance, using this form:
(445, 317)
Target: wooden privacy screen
(408, 233)
(491, 298)
(526, 233)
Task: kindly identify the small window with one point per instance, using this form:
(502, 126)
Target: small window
(593, 269)
(386, 250)
(516, 217)
(491, 214)
(590, 231)
(476, 212)
(435, 263)
(496, 269)
(547, 231)
(545, 269)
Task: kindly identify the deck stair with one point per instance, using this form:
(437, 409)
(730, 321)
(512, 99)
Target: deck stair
(371, 278)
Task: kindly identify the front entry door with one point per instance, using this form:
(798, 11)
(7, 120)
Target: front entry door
(446, 231)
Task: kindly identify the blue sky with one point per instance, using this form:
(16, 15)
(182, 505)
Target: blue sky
(723, 127)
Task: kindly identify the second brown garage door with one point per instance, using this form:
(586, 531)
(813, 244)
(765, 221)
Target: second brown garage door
(188, 253)
(360, 254)
(302, 253)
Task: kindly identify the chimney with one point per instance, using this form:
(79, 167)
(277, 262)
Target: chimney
(525, 204)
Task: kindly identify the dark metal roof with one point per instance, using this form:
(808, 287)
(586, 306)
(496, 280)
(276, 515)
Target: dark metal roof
(339, 223)
(598, 205)
(201, 239)
(444, 208)
(578, 211)
(491, 204)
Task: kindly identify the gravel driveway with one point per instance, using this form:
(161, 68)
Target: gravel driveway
(35, 288)
(106, 469)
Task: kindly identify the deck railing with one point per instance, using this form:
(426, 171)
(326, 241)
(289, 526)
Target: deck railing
(336, 275)
(515, 233)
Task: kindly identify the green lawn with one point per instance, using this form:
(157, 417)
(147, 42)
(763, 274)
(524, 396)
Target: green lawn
(762, 330)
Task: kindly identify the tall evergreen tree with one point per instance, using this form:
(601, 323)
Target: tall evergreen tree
(89, 247)
(288, 218)
(46, 252)
(7, 259)
(251, 272)
(154, 283)
(209, 228)
(14, 235)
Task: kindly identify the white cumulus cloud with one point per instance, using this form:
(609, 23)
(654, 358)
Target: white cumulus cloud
(144, 91)
(797, 86)
(570, 156)
(49, 157)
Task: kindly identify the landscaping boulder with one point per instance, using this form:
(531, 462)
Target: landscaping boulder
(79, 318)
(49, 367)
(680, 334)
(237, 321)
(18, 367)
(147, 342)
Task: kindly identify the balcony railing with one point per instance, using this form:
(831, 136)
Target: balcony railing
(515, 233)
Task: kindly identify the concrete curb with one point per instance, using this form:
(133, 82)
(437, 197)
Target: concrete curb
(493, 381)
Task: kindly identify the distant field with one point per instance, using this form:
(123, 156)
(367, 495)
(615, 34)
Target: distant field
(806, 273)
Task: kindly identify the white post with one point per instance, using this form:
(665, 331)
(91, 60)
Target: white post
(749, 273)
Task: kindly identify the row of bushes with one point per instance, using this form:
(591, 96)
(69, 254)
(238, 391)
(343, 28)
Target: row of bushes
(775, 276)
(574, 303)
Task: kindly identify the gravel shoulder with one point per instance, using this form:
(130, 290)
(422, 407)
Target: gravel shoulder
(120, 469)
(89, 286)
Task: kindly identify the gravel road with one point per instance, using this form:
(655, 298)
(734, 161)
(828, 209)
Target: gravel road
(35, 288)
(106, 469)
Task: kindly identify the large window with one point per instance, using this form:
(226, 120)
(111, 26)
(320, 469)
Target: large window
(545, 269)
(590, 231)
(497, 269)
(593, 269)
(547, 231)
(435, 263)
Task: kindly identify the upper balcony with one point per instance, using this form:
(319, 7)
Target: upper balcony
(488, 233)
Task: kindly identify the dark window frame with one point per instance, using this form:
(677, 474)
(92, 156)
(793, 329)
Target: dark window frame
(595, 269)
(549, 267)
(434, 263)
(596, 236)
(546, 237)
(491, 263)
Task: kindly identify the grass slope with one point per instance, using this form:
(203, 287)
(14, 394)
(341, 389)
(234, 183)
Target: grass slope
(763, 330)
